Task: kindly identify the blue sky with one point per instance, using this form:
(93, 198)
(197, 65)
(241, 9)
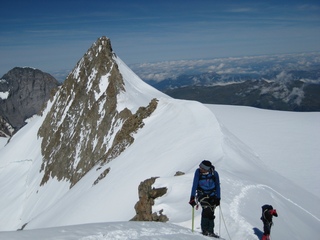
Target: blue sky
(54, 35)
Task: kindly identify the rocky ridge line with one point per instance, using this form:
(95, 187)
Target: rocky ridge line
(84, 128)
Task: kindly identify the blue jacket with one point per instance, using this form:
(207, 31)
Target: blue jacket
(206, 183)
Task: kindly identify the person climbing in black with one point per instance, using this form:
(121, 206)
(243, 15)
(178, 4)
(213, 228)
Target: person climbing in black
(206, 191)
(267, 213)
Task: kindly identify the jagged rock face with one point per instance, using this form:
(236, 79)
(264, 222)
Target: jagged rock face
(25, 91)
(147, 195)
(6, 129)
(84, 127)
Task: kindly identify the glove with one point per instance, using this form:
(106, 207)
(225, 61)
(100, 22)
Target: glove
(192, 202)
(274, 212)
(217, 201)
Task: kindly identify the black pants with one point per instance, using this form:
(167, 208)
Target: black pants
(266, 227)
(207, 215)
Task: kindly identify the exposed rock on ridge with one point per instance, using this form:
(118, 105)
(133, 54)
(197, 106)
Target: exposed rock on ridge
(26, 90)
(84, 127)
(6, 129)
(147, 195)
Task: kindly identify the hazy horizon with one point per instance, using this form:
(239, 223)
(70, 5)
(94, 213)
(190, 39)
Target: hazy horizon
(53, 35)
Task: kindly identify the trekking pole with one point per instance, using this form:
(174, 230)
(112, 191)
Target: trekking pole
(192, 219)
(220, 221)
(196, 206)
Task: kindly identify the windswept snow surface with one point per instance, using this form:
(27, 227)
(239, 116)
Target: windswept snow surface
(136, 90)
(288, 142)
(3, 142)
(112, 231)
(247, 180)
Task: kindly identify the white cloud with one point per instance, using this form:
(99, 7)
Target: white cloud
(260, 65)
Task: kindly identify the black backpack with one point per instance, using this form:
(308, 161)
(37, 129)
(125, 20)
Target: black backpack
(212, 176)
(264, 208)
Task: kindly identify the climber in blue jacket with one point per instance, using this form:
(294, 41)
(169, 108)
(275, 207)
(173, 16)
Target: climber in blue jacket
(206, 191)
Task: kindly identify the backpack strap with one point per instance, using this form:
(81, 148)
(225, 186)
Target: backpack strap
(202, 177)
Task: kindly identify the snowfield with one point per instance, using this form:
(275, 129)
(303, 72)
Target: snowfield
(262, 157)
(288, 142)
(246, 185)
(101, 231)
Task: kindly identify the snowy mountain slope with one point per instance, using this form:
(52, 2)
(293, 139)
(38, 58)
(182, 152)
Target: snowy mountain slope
(246, 184)
(286, 142)
(176, 136)
(159, 147)
(3, 141)
(111, 231)
(20, 177)
(45, 187)
(137, 92)
(243, 193)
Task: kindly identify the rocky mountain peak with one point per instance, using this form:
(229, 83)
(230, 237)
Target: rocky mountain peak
(85, 126)
(23, 91)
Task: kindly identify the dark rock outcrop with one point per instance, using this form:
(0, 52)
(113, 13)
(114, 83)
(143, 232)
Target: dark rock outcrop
(25, 90)
(6, 129)
(179, 173)
(101, 176)
(147, 195)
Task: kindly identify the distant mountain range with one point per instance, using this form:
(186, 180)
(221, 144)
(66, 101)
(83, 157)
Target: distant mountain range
(290, 83)
(293, 96)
